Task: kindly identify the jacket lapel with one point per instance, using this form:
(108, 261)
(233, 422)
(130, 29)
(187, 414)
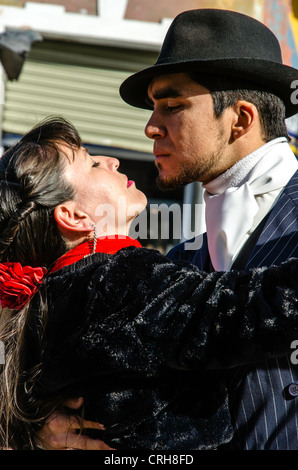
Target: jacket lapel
(279, 238)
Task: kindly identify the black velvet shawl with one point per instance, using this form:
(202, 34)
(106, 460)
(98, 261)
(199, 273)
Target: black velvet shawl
(147, 342)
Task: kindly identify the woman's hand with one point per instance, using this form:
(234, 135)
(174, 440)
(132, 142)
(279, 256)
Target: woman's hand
(60, 431)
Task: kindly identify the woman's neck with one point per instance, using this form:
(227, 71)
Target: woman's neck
(73, 239)
(109, 244)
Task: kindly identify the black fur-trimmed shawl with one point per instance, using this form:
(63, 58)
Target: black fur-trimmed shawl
(147, 342)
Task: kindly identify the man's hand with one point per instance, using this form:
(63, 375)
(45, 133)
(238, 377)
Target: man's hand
(59, 431)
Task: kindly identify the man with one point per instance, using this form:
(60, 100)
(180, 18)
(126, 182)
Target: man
(219, 94)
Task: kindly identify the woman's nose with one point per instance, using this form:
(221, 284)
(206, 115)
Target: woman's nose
(112, 163)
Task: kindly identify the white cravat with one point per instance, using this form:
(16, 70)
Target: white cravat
(237, 200)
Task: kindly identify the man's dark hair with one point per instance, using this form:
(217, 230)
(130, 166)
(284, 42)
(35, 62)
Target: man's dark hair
(226, 91)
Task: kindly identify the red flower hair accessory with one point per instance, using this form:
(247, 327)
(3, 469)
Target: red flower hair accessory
(18, 284)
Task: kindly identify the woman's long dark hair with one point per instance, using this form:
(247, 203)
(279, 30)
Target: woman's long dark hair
(31, 186)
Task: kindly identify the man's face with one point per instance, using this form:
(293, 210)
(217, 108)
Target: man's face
(190, 143)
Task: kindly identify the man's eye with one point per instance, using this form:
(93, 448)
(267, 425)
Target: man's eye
(172, 109)
(95, 164)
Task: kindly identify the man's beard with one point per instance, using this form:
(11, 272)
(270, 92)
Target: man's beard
(187, 174)
(176, 182)
(204, 169)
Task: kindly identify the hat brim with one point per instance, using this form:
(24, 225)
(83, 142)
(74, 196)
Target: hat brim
(276, 77)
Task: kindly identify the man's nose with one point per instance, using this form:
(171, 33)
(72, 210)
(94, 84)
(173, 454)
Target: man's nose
(154, 129)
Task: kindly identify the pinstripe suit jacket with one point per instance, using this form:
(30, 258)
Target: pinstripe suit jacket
(264, 415)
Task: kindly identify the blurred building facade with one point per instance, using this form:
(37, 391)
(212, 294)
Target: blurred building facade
(89, 47)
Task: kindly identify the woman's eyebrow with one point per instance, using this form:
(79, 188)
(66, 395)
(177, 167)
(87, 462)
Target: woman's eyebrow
(86, 152)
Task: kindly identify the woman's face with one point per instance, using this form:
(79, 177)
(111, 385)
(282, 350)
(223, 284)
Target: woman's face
(110, 199)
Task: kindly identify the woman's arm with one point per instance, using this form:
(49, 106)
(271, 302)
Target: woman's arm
(167, 313)
(145, 312)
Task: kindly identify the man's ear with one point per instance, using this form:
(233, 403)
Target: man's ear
(70, 219)
(246, 116)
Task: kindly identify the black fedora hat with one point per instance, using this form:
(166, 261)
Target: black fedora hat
(222, 42)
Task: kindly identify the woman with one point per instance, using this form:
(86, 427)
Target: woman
(90, 313)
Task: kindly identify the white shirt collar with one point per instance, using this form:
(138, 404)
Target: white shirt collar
(239, 173)
(235, 199)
